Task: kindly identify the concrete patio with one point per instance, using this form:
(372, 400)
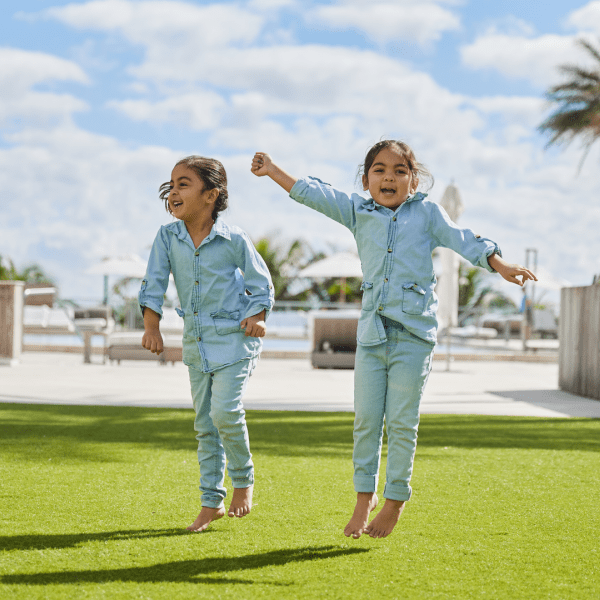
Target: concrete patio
(469, 387)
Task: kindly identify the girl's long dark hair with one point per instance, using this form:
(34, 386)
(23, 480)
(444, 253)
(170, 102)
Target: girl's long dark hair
(211, 172)
(417, 169)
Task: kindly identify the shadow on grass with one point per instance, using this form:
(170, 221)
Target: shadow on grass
(186, 571)
(50, 541)
(31, 431)
(470, 431)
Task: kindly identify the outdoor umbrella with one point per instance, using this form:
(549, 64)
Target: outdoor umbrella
(340, 265)
(128, 265)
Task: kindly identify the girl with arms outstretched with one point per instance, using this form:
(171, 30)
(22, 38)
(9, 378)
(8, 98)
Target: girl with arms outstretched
(396, 229)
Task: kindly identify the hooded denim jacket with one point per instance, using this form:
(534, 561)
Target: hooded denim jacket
(395, 248)
(219, 284)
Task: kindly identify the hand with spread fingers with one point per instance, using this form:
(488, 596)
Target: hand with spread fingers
(510, 272)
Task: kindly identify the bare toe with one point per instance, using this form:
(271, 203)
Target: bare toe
(365, 504)
(385, 521)
(241, 502)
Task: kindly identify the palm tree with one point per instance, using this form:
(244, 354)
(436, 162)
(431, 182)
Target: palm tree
(577, 102)
(476, 295)
(284, 261)
(32, 273)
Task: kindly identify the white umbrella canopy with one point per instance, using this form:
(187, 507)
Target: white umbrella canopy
(128, 265)
(342, 264)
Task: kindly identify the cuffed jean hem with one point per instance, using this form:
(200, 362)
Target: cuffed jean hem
(243, 482)
(399, 493)
(365, 483)
(211, 504)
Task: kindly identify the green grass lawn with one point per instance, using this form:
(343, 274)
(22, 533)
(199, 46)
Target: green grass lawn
(95, 501)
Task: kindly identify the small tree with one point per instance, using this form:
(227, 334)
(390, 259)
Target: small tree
(33, 273)
(476, 295)
(577, 102)
(285, 261)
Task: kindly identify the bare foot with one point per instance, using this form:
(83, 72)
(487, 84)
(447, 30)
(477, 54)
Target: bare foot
(206, 516)
(241, 502)
(385, 521)
(365, 503)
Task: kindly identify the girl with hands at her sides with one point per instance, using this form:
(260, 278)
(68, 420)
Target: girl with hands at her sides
(396, 229)
(226, 293)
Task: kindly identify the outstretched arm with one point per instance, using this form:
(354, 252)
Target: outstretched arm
(263, 165)
(510, 272)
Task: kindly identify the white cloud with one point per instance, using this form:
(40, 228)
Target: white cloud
(79, 195)
(534, 59)
(164, 22)
(384, 20)
(319, 81)
(518, 53)
(587, 18)
(199, 111)
(272, 5)
(20, 71)
(520, 115)
(316, 108)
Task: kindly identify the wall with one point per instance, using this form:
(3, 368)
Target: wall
(579, 334)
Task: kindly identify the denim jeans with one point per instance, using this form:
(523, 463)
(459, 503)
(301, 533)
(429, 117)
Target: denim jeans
(389, 380)
(221, 429)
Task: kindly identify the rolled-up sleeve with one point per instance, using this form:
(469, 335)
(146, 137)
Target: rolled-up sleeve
(472, 247)
(257, 279)
(320, 196)
(156, 280)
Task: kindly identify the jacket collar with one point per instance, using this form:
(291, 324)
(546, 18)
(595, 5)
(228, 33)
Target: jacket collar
(370, 204)
(219, 228)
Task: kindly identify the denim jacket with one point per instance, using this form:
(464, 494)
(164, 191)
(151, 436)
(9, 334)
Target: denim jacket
(219, 284)
(395, 249)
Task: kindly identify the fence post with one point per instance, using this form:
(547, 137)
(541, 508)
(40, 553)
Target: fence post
(11, 322)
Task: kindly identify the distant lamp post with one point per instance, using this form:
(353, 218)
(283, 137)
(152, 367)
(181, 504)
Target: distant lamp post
(531, 262)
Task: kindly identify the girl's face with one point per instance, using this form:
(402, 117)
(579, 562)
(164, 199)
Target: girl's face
(390, 180)
(188, 200)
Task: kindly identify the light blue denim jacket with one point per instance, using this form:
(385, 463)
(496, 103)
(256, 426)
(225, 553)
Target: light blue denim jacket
(395, 253)
(212, 283)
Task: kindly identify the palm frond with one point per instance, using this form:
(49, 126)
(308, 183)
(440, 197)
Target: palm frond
(577, 105)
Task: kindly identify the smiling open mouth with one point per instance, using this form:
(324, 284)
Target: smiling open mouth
(177, 204)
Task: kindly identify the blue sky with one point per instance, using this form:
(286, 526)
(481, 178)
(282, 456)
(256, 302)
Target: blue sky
(99, 99)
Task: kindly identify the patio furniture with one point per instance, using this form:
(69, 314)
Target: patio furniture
(127, 345)
(93, 321)
(333, 335)
(45, 320)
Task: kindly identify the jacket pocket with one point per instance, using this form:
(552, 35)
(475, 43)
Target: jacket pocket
(367, 297)
(413, 299)
(226, 322)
